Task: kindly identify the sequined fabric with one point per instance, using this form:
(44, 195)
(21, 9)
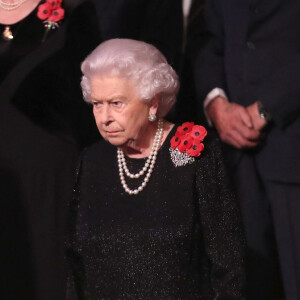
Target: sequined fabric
(180, 238)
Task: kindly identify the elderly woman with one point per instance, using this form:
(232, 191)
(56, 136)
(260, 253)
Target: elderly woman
(151, 217)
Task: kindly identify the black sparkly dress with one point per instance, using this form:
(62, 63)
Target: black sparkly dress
(180, 238)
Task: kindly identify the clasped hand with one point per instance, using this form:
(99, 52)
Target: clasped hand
(237, 125)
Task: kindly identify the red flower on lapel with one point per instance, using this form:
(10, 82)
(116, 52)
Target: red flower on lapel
(198, 132)
(185, 128)
(57, 15)
(44, 11)
(187, 144)
(51, 13)
(175, 140)
(54, 3)
(195, 149)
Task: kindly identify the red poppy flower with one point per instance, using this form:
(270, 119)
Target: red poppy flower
(57, 15)
(54, 3)
(44, 11)
(175, 141)
(186, 143)
(185, 128)
(196, 149)
(198, 132)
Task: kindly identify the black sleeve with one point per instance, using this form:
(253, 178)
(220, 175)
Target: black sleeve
(75, 268)
(221, 225)
(280, 93)
(209, 62)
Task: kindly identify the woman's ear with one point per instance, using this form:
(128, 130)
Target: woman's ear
(154, 105)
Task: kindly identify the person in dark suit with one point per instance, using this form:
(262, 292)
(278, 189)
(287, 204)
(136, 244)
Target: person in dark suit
(158, 22)
(43, 126)
(187, 107)
(249, 76)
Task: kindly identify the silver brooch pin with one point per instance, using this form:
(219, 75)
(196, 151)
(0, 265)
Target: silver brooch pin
(180, 159)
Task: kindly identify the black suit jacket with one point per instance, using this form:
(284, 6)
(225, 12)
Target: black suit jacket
(254, 55)
(158, 22)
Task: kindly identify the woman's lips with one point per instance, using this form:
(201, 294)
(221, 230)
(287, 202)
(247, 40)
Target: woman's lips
(112, 132)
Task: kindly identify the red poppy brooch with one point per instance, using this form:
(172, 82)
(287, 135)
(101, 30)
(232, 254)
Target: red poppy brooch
(51, 13)
(187, 144)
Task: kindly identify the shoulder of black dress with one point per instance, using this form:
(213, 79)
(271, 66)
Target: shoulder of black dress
(101, 150)
(212, 146)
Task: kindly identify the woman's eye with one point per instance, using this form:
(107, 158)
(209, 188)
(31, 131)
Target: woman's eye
(96, 104)
(117, 103)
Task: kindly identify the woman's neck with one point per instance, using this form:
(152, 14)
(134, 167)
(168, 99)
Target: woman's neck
(9, 17)
(143, 149)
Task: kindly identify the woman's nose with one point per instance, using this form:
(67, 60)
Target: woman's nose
(106, 114)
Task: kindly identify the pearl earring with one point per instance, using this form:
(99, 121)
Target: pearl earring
(152, 117)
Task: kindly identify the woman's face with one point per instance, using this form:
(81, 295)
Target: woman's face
(121, 117)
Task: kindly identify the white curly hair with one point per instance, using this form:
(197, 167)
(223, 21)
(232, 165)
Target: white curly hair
(141, 63)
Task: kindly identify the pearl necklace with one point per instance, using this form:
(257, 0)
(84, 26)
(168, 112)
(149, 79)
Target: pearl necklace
(149, 165)
(11, 6)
